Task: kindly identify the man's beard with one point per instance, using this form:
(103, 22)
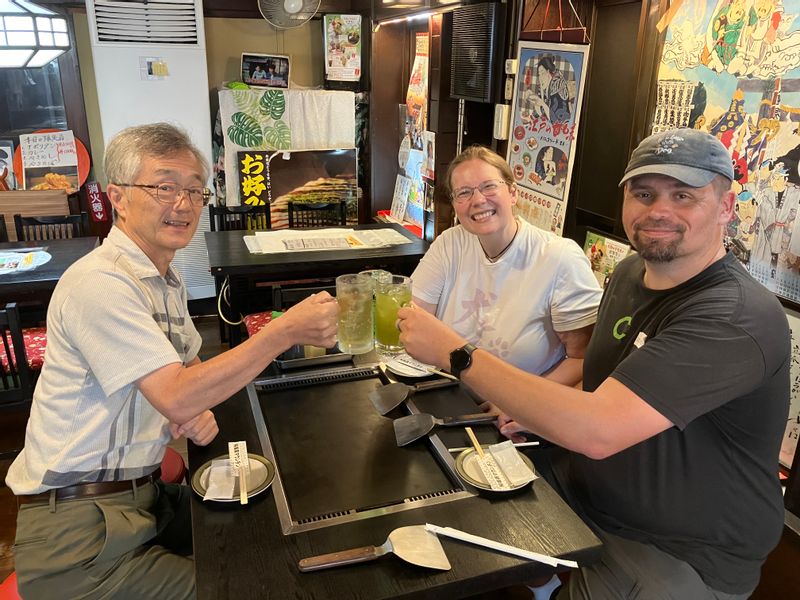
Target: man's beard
(657, 250)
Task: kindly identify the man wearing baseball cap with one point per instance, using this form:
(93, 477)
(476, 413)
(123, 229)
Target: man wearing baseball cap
(673, 441)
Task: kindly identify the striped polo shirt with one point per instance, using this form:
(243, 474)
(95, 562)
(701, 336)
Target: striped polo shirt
(112, 320)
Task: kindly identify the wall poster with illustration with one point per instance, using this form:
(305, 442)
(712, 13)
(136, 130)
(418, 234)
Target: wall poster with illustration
(732, 68)
(544, 126)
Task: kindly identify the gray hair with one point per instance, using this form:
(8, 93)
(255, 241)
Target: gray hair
(476, 152)
(127, 150)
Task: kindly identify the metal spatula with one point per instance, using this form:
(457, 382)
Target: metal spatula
(411, 428)
(388, 397)
(413, 544)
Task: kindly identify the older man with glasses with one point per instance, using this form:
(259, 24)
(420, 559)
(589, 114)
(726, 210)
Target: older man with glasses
(121, 377)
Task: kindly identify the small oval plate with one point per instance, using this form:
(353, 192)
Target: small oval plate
(262, 473)
(402, 364)
(468, 469)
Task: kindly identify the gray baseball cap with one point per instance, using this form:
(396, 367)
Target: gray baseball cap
(691, 156)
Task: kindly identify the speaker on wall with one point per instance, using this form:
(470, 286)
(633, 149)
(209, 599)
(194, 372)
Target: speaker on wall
(475, 45)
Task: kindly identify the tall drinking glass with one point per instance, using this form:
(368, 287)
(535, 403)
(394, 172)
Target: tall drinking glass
(376, 275)
(354, 295)
(390, 295)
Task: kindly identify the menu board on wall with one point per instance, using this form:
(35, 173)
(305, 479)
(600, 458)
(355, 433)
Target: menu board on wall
(547, 105)
(49, 161)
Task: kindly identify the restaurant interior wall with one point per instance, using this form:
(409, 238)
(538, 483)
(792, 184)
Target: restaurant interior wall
(389, 91)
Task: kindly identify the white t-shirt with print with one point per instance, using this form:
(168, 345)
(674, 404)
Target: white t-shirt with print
(513, 308)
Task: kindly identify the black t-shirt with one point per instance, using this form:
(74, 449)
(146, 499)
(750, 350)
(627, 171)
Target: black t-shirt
(712, 355)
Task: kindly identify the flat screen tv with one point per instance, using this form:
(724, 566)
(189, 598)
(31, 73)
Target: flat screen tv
(265, 70)
(316, 177)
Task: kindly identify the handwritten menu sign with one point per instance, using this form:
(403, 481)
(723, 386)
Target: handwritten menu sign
(402, 187)
(49, 161)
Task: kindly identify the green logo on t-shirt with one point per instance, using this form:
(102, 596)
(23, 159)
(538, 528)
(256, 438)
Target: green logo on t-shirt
(621, 327)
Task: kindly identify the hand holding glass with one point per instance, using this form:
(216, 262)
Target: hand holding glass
(354, 295)
(390, 296)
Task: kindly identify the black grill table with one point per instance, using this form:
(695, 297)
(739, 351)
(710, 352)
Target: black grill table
(343, 483)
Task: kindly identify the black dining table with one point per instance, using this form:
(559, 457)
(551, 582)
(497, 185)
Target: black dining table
(332, 450)
(248, 276)
(38, 284)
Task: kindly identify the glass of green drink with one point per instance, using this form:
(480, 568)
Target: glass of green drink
(390, 296)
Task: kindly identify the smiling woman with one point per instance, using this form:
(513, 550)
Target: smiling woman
(526, 295)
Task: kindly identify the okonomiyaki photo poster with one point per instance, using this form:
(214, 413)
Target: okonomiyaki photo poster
(547, 105)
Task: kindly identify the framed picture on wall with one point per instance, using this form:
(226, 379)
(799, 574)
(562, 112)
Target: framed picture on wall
(544, 125)
(265, 70)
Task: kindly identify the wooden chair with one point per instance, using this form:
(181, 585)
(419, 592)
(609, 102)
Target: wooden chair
(18, 379)
(304, 214)
(3, 230)
(51, 227)
(245, 217)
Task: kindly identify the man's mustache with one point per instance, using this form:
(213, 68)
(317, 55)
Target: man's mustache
(659, 224)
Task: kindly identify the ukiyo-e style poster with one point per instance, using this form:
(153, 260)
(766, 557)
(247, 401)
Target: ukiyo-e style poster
(732, 68)
(547, 104)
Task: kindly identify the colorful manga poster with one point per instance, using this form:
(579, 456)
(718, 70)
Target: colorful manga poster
(342, 47)
(732, 68)
(547, 105)
(417, 95)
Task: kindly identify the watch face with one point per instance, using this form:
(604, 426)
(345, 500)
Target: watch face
(461, 358)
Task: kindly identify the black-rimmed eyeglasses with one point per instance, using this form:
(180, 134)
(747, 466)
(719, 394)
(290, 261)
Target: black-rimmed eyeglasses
(170, 193)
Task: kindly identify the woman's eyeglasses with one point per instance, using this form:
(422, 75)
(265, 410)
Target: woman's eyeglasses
(170, 193)
(488, 189)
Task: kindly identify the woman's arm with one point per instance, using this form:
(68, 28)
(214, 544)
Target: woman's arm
(570, 370)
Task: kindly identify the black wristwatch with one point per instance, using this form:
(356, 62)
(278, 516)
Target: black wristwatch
(461, 359)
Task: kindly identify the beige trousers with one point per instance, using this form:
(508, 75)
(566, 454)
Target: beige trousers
(102, 547)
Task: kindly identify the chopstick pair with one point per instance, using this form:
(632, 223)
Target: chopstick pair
(516, 445)
(240, 463)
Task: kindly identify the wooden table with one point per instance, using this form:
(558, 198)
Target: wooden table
(38, 284)
(240, 551)
(250, 275)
